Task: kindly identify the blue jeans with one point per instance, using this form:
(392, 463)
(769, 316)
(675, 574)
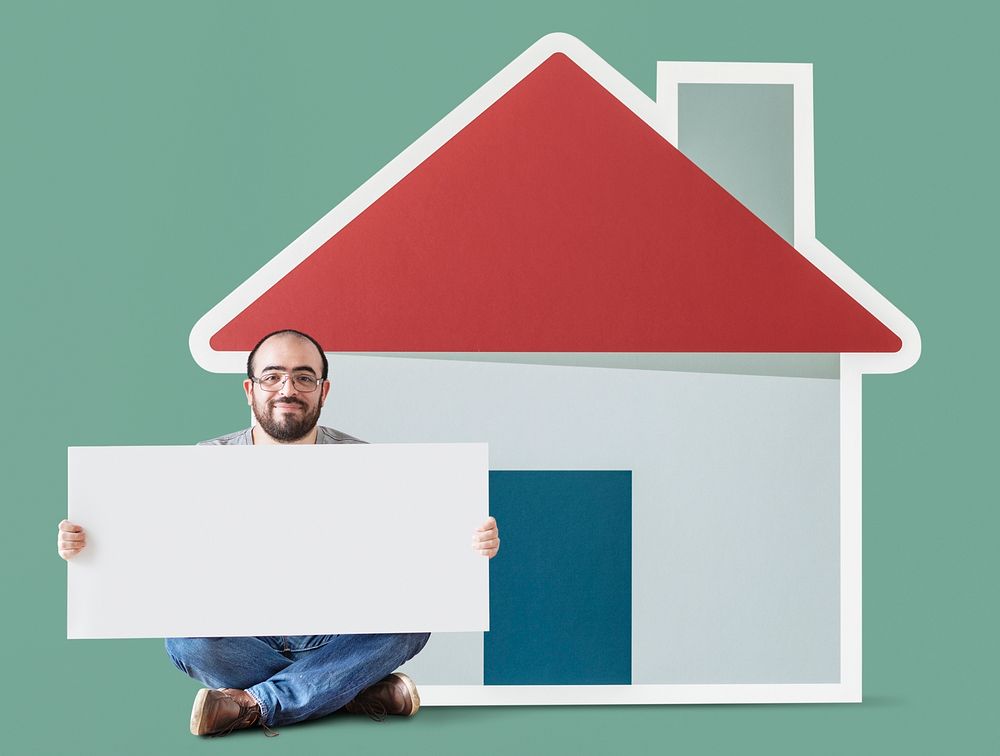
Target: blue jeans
(295, 677)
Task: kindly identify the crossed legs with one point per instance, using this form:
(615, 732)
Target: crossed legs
(311, 684)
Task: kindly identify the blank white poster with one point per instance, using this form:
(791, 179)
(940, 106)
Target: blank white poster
(206, 541)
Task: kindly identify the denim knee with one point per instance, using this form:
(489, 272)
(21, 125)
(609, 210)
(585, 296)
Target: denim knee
(175, 650)
(419, 641)
(187, 653)
(184, 651)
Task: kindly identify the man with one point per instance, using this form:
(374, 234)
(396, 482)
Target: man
(281, 680)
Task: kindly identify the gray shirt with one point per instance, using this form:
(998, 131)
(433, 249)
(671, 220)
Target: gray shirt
(324, 435)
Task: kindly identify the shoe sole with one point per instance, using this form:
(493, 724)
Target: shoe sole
(411, 688)
(198, 712)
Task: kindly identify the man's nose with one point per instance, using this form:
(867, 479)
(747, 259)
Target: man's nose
(287, 388)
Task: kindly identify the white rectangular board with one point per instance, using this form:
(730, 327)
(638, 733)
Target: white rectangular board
(207, 541)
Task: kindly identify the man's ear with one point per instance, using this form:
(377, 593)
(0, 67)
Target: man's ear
(324, 391)
(248, 389)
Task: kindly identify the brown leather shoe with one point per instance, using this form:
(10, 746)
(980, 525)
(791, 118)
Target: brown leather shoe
(395, 694)
(219, 712)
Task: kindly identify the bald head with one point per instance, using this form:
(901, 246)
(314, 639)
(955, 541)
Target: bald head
(288, 333)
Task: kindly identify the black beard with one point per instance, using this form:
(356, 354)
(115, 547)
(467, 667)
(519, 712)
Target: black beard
(290, 428)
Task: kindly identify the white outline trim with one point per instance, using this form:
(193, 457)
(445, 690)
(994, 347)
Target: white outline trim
(662, 117)
(850, 527)
(548, 695)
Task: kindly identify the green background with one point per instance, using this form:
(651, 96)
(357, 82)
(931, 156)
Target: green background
(153, 157)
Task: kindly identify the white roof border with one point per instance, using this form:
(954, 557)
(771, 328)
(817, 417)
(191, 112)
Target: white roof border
(661, 115)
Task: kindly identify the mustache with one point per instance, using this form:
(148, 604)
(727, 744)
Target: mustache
(288, 400)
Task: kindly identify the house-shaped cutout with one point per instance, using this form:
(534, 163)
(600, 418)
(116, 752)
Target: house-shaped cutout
(552, 214)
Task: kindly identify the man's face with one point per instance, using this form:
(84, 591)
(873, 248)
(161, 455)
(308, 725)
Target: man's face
(287, 414)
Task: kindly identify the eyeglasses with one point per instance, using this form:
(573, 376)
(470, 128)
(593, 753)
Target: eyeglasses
(302, 382)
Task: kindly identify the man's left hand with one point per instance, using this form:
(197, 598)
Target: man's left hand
(486, 539)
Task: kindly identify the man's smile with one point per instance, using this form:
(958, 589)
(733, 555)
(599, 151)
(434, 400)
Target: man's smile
(289, 405)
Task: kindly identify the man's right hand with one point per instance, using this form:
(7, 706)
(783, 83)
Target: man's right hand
(72, 538)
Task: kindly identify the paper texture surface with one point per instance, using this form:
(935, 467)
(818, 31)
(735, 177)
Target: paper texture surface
(277, 540)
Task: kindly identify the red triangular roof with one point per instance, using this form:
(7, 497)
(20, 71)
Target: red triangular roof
(558, 220)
